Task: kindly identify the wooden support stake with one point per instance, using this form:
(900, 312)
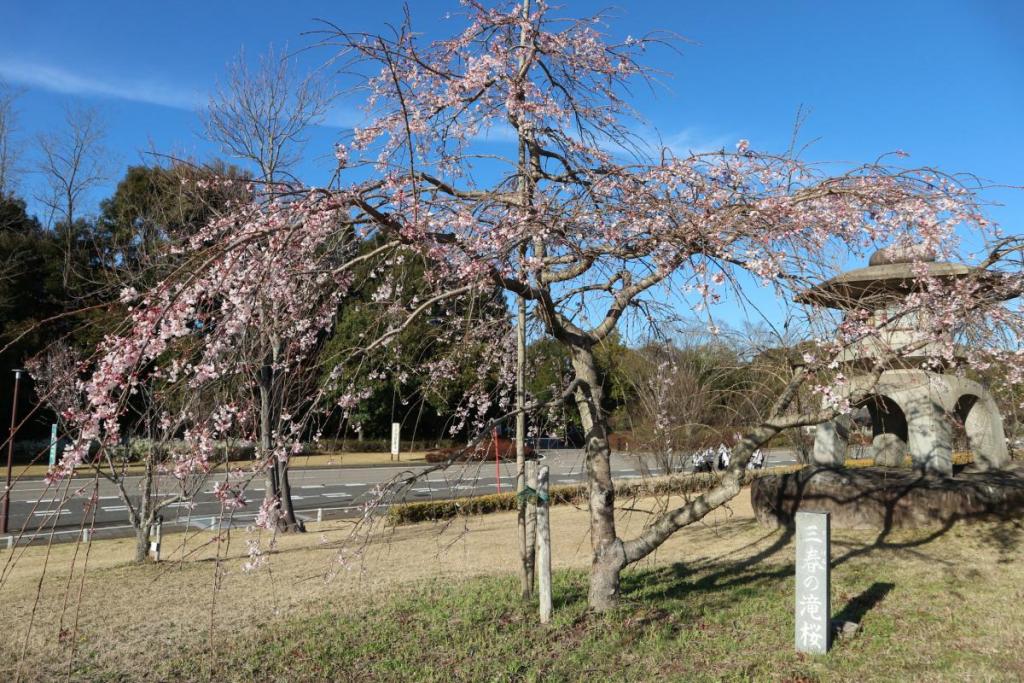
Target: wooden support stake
(543, 545)
(154, 547)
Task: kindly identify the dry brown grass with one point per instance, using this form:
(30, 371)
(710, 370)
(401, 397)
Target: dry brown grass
(132, 618)
(144, 612)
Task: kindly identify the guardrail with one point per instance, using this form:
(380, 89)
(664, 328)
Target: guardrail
(212, 522)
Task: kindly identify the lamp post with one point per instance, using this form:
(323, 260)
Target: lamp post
(10, 453)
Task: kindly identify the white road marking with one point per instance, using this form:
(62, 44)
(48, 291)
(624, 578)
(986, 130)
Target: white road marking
(312, 486)
(298, 497)
(337, 495)
(48, 513)
(115, 508)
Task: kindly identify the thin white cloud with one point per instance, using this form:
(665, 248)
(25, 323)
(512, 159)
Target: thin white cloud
(342, 116)
(57, 79)
(686, 141)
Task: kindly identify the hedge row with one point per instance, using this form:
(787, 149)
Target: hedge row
(575, 494)
(374, 445)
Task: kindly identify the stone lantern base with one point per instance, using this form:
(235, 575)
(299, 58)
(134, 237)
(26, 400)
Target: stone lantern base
(883, 499)
(914, 411)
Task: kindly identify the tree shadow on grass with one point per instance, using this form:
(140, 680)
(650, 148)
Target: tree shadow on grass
(1005, 535)
(861, 604)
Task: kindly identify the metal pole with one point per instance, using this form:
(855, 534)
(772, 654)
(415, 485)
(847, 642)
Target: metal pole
(497, 460)
(10, 454)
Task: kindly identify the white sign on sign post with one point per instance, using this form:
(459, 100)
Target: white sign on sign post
(813, 609)
(396, 431)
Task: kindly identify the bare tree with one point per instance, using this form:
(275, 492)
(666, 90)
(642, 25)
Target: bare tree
(72, 163)
(261, 116)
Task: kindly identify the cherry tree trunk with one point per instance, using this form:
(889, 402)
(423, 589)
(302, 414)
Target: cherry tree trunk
(608, 556)
(277, 485)
(141, 518)
(270, 492)
(288, 518)
(141, 543)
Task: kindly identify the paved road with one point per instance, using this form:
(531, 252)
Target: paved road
(336, 492)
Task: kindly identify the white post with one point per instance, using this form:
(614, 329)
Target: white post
(86, 535)
(396, 433)
(10, 542)
(53, 445)
(543, 546)
(813, 611)
(319, 514)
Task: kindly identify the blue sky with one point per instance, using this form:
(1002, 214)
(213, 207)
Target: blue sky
(941, 80)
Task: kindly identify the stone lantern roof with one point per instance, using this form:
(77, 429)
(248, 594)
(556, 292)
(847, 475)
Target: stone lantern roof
(891, 272)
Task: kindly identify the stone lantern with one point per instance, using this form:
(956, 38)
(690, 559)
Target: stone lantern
(912, 409)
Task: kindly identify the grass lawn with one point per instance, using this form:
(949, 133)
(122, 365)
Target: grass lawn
(439, 602)
(715, 622)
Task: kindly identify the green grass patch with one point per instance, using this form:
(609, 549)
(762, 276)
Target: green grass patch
(722, 620)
